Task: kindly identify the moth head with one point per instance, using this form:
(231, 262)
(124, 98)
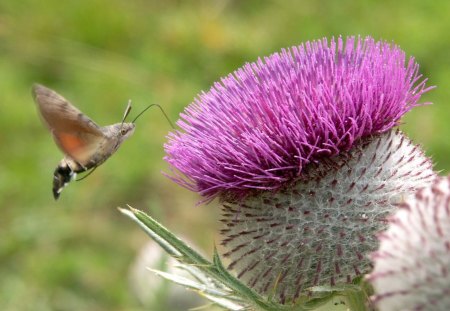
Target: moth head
(125, 130)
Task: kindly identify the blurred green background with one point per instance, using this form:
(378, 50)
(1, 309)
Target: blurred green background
(75, 254)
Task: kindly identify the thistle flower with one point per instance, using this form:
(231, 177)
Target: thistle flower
(299, 148)
(412, 264)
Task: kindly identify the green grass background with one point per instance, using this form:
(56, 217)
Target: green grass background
(75, 254)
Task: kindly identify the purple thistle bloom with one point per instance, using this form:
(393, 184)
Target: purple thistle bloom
(264, 123)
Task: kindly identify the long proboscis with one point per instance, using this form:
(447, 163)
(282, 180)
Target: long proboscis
(160, 108)
(126, 113)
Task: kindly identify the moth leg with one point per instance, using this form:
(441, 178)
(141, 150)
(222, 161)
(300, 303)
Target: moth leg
(89, 173)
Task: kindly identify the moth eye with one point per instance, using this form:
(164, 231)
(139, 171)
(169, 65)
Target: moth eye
(123, 131)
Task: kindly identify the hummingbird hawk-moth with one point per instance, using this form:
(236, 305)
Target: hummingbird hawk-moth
(85, 144)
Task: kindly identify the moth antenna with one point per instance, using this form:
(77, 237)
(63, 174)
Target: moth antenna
(126, 113)
(162, 110)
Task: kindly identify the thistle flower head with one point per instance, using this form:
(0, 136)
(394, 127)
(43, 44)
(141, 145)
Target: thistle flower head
(263, 124)
(319, 230)
(300, 149)
(412, 263)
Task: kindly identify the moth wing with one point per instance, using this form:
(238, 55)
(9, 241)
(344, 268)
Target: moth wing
(79, 146)
(74, 133)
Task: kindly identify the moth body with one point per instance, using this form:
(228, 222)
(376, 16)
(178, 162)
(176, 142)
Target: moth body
(115, 135)
(84, 144)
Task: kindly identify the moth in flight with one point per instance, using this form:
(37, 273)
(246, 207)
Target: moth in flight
(85, 144)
